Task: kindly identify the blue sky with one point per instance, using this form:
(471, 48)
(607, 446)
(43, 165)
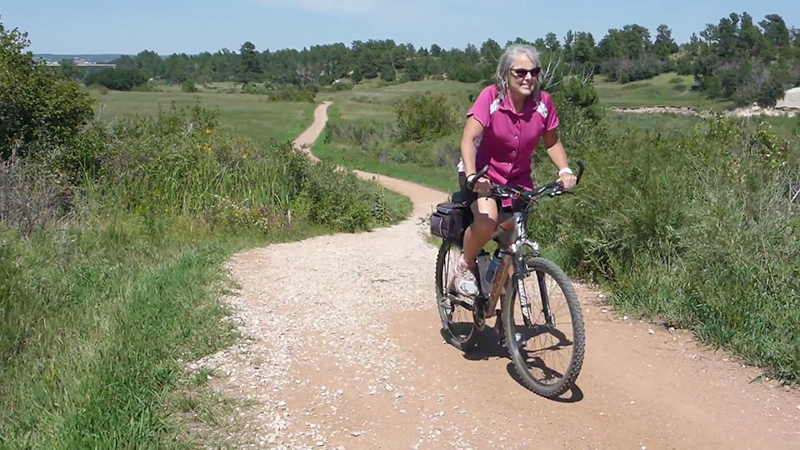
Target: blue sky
(93, 26)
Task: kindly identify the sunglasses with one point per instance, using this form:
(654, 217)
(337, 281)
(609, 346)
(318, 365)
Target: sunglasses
(520, 73)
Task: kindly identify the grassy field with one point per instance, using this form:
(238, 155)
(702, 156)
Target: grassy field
(668, 89)
(375, 99)
(257, 118)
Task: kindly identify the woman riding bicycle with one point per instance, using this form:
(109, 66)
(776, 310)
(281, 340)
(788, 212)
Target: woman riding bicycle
(504, 126)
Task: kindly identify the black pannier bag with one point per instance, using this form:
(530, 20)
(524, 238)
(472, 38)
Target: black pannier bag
(450, 220)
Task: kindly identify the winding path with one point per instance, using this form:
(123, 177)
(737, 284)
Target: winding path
(344, 351)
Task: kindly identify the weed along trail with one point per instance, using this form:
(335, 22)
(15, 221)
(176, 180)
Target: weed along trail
(342, 350)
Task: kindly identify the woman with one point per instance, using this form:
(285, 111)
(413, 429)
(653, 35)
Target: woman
(504, 125)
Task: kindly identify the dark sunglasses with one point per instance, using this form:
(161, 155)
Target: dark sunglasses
(520, 73)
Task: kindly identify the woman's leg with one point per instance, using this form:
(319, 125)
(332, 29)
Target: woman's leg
(484, 210)
(485, 213)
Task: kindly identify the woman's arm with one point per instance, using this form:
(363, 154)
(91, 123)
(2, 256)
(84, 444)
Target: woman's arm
(472, 131)
(555, 149)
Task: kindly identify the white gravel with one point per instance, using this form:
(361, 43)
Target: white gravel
(330, 296)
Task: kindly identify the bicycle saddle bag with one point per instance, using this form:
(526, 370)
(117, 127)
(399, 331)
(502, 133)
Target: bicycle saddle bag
(450, 220)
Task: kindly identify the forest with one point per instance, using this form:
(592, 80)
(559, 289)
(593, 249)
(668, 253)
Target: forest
(737, 60)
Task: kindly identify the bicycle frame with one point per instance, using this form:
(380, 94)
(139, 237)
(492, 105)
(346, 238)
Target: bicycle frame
(514, 230)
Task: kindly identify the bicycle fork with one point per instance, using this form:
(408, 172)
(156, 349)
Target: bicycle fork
(521, 272)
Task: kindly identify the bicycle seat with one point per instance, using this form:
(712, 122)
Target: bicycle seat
(459, 197)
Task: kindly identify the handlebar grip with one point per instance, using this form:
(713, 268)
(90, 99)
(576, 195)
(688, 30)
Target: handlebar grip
(482, 172)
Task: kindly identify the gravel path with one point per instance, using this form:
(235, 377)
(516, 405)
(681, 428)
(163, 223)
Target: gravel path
(343, 351)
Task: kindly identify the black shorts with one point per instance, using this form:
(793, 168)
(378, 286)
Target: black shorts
(470, 196)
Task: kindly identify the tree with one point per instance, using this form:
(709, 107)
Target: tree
(664, 45)
(415, 71)
(70, 70)
(357, 76)
(490, 51)
(583, 50)
(37, 104)
(250, 67)
(551, 42)
(388, 72)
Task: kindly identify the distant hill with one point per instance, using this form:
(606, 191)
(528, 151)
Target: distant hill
(102, 58)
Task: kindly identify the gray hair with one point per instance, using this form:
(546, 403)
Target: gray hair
(507, 59)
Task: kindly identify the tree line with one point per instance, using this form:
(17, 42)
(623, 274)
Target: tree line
(736, 59)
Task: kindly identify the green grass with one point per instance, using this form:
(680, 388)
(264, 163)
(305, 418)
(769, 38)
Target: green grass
(112, 313)
(444, 179)
(658, 91)
(101, 311)
(261, 120)
(373, 99)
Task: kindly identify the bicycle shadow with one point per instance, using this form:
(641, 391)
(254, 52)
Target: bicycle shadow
(489, 347)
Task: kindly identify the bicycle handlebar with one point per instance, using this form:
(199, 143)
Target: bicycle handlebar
(504, 191)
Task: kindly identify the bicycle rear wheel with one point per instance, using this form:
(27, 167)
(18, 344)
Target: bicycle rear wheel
(551, 296)
(458, 321)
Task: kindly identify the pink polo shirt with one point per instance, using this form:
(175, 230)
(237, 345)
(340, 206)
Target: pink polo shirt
(509, 138)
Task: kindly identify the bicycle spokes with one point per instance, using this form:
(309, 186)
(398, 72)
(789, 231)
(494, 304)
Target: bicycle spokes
(545, 345)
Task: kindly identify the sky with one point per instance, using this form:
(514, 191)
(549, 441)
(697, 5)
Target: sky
(184, 26)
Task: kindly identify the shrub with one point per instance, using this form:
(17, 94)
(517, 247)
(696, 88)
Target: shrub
(704, 235)
(290, 93)
(188, 86)
(36, 103)
(626, 70)
(574, 91)
(425, 116)
(30, 196)
(118, 79)
(342, 85)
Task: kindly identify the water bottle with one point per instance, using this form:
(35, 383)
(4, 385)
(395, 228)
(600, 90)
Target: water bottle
(493, 266)
(483, 261)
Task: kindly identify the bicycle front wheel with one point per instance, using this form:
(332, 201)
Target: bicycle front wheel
(547, 350)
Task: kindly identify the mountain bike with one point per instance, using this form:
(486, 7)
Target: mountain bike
(516, 259)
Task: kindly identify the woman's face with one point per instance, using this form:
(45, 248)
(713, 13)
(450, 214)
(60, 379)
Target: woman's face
(521, 80)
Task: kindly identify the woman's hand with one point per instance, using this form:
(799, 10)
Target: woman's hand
(567, 180)
(481, 186)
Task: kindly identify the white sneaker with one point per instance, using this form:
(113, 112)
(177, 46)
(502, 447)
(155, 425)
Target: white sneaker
(465, 282)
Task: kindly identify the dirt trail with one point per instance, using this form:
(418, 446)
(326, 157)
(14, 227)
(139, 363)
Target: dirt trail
(344, 351)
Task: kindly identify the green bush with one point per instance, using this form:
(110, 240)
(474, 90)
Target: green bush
(290, 93)
(37, 104)
(188, 86)
(425, 116)
(574, 91)
(696, 229)
(118, 79)
(342, 85)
